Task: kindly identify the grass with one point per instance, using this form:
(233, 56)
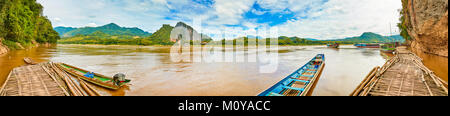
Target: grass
(11, 45)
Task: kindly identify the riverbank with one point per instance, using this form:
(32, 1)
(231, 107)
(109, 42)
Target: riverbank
(3, 48)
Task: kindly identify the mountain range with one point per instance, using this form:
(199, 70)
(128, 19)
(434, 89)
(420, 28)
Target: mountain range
(111, 29)
(114, 34)
(107, 34)
(366, 37)
(370, 37)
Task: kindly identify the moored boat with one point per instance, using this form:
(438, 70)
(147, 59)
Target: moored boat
(336, 45)
(367, 45)
(301, 82)
(98, 79)
(388, 48)
(29, 61)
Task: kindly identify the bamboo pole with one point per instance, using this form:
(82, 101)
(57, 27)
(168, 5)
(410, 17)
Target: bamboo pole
(426, 85)
(77, 86)
(54, 78)
(364, 82)
(432, 76)
(85, 88)
(370, 88)
(2, 93)
(92, 88)
(73, 90)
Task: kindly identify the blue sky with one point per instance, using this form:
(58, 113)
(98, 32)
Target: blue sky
(321, 19)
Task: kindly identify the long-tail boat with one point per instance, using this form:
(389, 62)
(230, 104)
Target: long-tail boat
(367, 45)
(301, 81)
(388, 48)
(336, 45)
(29, 61)
(95, 78)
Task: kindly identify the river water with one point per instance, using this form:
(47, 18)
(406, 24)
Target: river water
(154, 74)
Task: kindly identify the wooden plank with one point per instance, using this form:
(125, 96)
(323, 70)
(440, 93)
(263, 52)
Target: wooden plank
(404, 75)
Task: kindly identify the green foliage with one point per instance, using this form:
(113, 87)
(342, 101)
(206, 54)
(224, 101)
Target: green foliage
(283, 40)
(22, 21)
(162, 36)
(404, 23)
(62, 30)
(11, 45)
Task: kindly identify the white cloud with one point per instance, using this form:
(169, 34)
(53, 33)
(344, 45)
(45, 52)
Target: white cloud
(230, 12)
(57, 19)
(345, 18)
(91, 25)
(144, 14)
(312, 18)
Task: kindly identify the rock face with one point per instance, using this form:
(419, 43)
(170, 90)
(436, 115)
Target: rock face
(3, 49)
(174, 37)
(428, 26)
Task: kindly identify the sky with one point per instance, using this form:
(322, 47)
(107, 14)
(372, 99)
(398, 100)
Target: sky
(318, 19)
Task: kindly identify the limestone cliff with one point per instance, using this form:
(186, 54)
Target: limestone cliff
(427, 24)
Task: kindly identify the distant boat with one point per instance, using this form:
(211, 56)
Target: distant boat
(336, 45)
(367, 45)
(388, 48)
(300, 82)
(29, 61)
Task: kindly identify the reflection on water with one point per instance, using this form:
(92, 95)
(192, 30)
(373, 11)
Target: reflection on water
(153, 73)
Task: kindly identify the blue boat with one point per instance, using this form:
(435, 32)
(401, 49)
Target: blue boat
(301, 81)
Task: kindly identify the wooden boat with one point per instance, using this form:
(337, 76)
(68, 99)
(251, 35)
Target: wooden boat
(388, 48)
(367, 45)
(98, 79)
(29, 61)
(336, 45)
(301, 81)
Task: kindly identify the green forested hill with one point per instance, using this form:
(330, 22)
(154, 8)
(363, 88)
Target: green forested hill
(160, 37)
(112, 37)
(111, 29)
(369, 37)
(22, 21)
(62, 30)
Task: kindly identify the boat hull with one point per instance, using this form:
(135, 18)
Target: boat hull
(367, 45)
(333, 46)
(299, 83)
(109, 85)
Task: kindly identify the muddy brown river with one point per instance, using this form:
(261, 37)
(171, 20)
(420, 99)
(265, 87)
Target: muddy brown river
(154, 74)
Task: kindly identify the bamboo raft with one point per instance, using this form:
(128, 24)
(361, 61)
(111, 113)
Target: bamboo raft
(403, 75)
(45, 79)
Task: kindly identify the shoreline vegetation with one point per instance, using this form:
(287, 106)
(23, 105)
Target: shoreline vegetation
(162, 37)
(23, 25)
(240, 41)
